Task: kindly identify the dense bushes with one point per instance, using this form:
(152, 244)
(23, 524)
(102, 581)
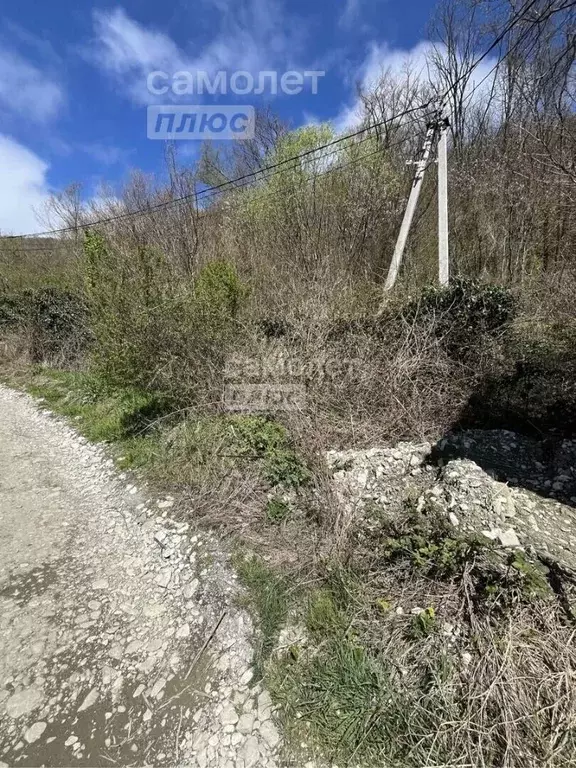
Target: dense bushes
(459, 355)
(58, 326)
(155, 330)
(452, 356)
(464, 314)
(53, 320)
(13, 309)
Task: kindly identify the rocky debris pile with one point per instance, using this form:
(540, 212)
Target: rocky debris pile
(547, 467)
(120, 638)
(508, 488)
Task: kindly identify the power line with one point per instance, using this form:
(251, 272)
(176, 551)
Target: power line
(225, 184)
(511, 24)
(496, 66)
(210, 191)
(319, 159)
(340, 166)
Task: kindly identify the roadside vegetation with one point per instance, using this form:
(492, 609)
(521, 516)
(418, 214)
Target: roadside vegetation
(410, 645)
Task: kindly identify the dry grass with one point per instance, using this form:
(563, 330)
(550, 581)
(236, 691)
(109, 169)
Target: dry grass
(405, 667)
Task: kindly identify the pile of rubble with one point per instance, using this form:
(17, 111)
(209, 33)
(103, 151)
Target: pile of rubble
(514, 490)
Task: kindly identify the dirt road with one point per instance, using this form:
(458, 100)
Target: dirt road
(105, 605)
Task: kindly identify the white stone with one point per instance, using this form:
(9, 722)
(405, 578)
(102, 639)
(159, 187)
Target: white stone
(509, 538)
(229, 716)
(190, 589)
(250, 752)
(116, 651)
(247, 677)
(163, 579)
(34, 732)
(157, 687)
(269, 733)
(183, 631)
(108, 674)
(90, 699)
(264, 706)
(246, 723)
(23, 702)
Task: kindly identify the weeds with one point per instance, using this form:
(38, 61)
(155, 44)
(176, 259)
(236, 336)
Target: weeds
(324, 619)
(154, 332)
(103, 415)
(424, 623)
(277, 510)
(268, 597)
(403, 647)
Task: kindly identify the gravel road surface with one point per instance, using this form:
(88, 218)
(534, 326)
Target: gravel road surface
(120, 640)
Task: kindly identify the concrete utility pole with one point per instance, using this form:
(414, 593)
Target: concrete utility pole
(443, 252)
(439, 124)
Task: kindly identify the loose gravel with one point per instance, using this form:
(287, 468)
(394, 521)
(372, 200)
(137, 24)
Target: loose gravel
(120, 639)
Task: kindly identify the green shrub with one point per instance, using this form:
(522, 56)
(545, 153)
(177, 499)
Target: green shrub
(58, 325)
(266, 439)
(424, 623)
(218, 294)
(14, 309)
(483, 308)
(277, 510)
(155, 332)
(53, 320)
(204, 450)
(431, 547)
(463, 313)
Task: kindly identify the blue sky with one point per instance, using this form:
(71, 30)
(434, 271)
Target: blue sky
(73, 90)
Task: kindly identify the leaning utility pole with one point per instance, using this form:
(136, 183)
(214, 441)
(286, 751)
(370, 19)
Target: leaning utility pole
(438, 125)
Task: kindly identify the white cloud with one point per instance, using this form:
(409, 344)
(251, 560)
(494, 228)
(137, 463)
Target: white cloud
(382, 59)
(23, 187)
(358, 16)
(27, 91)
(350, 14)
(105, 154)
(253, 36)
